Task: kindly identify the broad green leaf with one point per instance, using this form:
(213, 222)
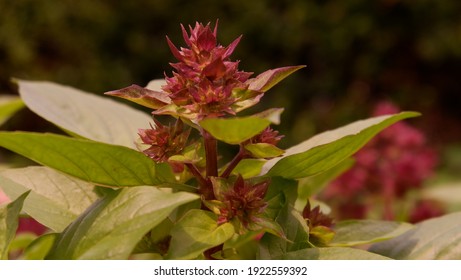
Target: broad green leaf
(88, 115)
(111, 227)
(39, 248)
(196, 232)
(331, 254)
(358, 232)
(9, 216)
(21, 241)
(248, 168)
(264, 150)
(266, 80)
(235, 130)
(95, 162)
(9, 106)
(312, 185)
(437, 238)
(327, 149)
(281, 196)
(55, 199)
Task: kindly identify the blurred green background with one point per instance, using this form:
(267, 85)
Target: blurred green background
(356, 51)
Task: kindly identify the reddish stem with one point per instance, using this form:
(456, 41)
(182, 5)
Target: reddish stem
(238, 157)
(211, 153)
(193, 169)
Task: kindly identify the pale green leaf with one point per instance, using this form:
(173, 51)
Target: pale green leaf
(196, 232)
(235, 130)
(263, 150)
(111, 228)
(331, 254)
(327, 149)
(85, 114)
(248, 168)
(358, 232)
(95, 162)
(55, 199)
(9, 216)
(437, 238)
(39, 248)
(9, 106)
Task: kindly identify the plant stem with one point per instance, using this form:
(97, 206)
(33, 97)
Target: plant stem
(211, 153)
(208, 253)
(193, 169)
(238, 157)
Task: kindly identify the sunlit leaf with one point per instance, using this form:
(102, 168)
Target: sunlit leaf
(263, 150)
(248, 168)
(358, 232)
(327, 149)
(88, 115)
(55, 199)
(111, 228)
(331, 254)
(95, 162)
(39, 248)
(9, 106)
(9, 216)
(235, 130)
(196, 232)
(437, 238)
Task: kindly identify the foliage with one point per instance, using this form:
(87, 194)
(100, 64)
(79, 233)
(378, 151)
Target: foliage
(168, 194)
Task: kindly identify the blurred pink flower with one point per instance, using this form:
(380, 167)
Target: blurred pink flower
(392, 163)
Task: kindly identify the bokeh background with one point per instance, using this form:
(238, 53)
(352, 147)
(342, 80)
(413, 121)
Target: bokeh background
(357, 52)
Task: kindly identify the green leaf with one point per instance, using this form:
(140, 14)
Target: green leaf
(266, 80)
(21, 241)
(264, 150)
(332, 254)
(196, 232)
(39, 248)
(9, 106)
(88, 115)
(95, 162)
(280, 197)
(312, 185)
(358, 232)
(248, 168)
(235, 130)
(327, 149)
(437, 238)
(111, 228)
(55, 199)
(9, 216)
